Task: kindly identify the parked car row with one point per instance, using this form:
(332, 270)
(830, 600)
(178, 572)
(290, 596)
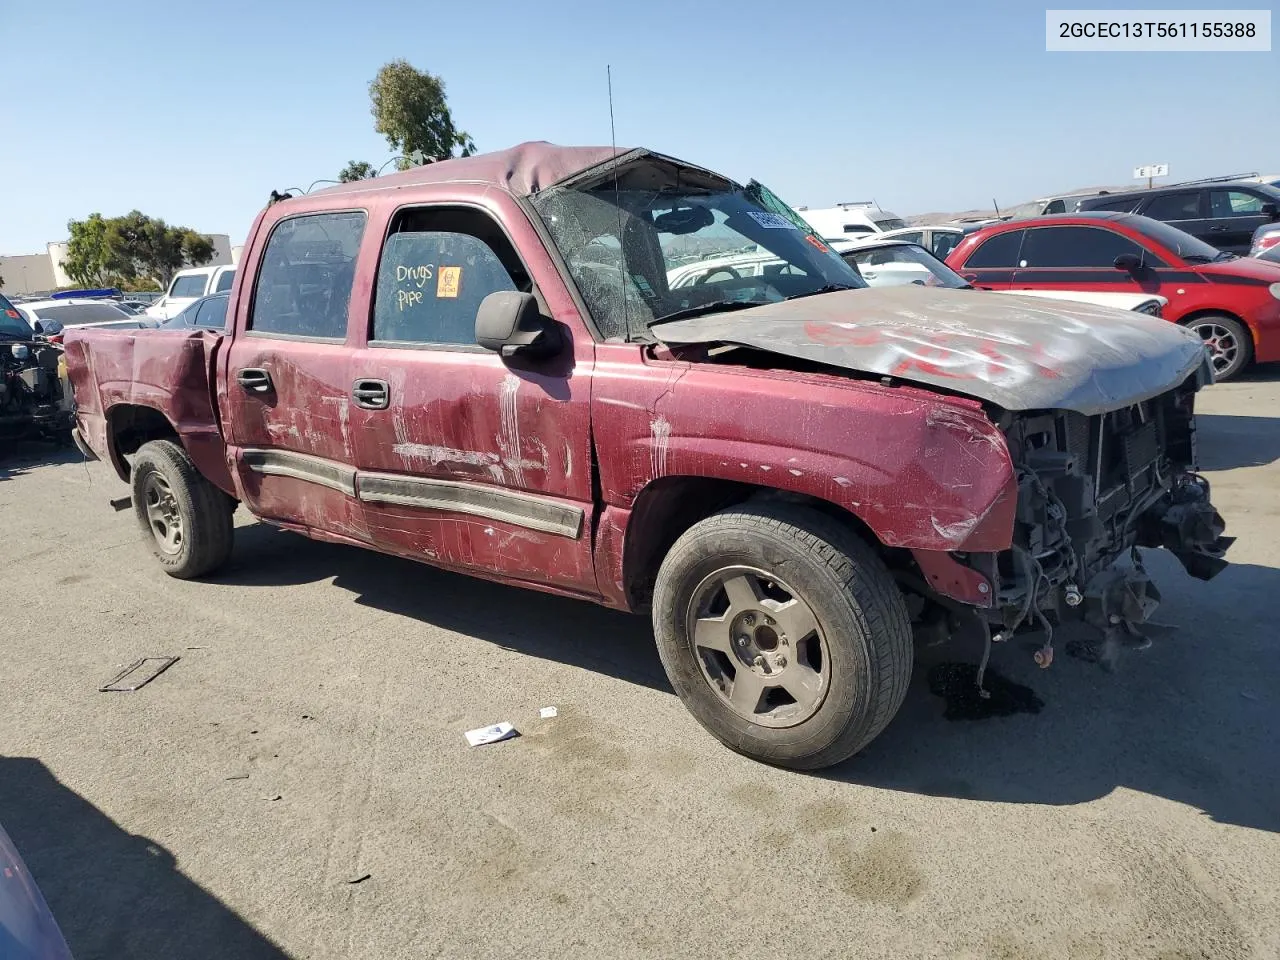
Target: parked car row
(189, 285)
(1232, 303)
(787, 467)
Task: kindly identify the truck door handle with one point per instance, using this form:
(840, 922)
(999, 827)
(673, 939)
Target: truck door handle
(255, 380)
(1220, 228)
(371, 394)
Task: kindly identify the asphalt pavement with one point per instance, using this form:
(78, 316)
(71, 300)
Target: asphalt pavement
(297, 784)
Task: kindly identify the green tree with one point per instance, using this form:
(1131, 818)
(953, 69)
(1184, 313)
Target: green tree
(88, 260)
(410, 110)
(355, 170)
(123, 251)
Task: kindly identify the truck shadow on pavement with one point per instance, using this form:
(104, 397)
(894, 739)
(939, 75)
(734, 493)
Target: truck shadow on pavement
(1225, 442)
(1195, 718)
(114, 894)
(540, 625)
(24, 456)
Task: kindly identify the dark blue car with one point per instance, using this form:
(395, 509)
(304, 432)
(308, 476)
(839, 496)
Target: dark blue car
(208, 312)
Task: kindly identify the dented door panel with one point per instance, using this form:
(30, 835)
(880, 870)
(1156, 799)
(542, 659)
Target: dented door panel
(476, 463)
(922, 471)
(483, 463)
(291, 442)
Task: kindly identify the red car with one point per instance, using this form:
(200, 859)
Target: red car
(1232, 302)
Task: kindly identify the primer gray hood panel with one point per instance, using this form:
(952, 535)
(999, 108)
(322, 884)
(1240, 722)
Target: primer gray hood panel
(1017, 352)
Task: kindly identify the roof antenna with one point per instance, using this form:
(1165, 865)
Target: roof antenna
(997, 206)
(617, 202)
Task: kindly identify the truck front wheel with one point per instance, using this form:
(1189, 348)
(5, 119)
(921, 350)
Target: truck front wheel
(185, 519)
(783, 633)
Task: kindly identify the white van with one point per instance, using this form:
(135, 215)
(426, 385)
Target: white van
(190, 285)
(848, 221)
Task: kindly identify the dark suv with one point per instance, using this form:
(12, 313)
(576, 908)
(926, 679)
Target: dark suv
(1224, 214)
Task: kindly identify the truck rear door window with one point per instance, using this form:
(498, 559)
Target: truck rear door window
(436, 268)
(304, 283)
(192, 285)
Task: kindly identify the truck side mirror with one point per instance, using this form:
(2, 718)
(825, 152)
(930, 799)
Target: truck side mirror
(1271, 210)
(509, 323)
(1128, 261)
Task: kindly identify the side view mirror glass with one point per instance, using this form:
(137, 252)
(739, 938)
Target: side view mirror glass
(1128, 261)
(509, 323)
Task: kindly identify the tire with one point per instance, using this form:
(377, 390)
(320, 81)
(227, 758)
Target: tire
(170, 495)
(862, 639)
(1229, 341)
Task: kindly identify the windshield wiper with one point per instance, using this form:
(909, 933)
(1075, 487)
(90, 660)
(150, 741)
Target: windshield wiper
(828, 288)
(715, 306)
(1197, 258)
(1225, 255)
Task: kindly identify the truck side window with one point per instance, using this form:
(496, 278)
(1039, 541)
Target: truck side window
(304, 282)
(436, 268)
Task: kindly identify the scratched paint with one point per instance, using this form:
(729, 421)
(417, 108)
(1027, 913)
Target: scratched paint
(660, 432)
(427, 454)
(509, 437)
(1013, 352)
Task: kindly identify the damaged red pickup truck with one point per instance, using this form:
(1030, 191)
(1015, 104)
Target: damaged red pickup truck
(479, 364)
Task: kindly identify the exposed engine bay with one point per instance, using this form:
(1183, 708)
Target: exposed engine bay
(31, 392)
(1091, 490)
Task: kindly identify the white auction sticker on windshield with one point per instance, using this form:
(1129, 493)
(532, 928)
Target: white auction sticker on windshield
(771, 221)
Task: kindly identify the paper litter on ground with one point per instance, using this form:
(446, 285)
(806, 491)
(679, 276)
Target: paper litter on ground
(490, 734)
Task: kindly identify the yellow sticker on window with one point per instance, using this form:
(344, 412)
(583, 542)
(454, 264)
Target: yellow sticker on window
(450, 280)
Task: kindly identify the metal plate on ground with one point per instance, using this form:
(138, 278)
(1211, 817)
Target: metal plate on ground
(138, 674)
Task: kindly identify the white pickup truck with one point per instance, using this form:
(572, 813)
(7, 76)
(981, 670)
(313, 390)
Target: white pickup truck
(190, 285)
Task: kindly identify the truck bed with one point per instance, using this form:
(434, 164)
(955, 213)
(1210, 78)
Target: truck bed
(121, 373)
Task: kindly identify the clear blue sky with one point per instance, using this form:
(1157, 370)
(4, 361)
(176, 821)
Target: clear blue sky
(195, 112)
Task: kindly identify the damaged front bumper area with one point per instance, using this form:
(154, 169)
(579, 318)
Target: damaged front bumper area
(1091, 491)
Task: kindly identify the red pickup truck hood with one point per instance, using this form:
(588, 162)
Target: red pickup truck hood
(1015, 352)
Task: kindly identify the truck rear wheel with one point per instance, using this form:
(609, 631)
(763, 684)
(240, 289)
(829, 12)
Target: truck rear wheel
(784, 634)
(185, 518)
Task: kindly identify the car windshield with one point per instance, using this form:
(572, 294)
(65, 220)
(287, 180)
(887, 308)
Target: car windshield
(896, 264)
(632, 237)
(1176, 241)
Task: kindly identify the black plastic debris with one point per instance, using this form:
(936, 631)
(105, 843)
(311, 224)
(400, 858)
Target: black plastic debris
(957, 684)
(360, 879)
(138, 674)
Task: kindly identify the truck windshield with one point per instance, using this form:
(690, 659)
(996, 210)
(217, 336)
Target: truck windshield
(11, 322)
(653, 239)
